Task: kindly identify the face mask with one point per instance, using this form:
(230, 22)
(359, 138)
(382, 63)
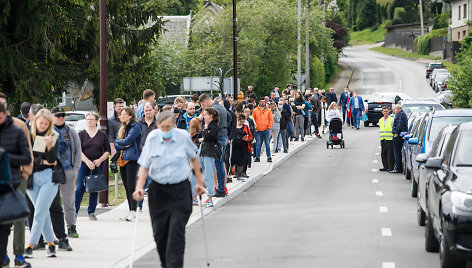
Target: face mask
(345, 91)
(355, 95)
(281, 107)
(168, 134)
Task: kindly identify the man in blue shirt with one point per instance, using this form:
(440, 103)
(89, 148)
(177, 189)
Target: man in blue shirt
(343, 102)
(166, 158)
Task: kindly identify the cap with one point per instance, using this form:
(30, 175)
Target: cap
(57, 110)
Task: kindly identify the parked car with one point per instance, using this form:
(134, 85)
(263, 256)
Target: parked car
(425, 173)
(169, 100)
(439, 80)
(82, 124)
(449, 200)
(419, 106)
(414, 132)
(445, 98)
(432, 124)
(431, 66)
(434, 73)
(73, 117)
(374, 105)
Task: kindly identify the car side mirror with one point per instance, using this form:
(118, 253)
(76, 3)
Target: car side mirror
(402, 134)
(407, 137)
(413, 141)
(434, 163)
(422, 158)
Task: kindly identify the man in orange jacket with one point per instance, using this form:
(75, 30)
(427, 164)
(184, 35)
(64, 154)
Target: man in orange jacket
(264, 121)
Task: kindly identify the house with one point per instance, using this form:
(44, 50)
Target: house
(176, 29)
(460, 14)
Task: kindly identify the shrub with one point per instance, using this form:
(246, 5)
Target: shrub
(422, 42)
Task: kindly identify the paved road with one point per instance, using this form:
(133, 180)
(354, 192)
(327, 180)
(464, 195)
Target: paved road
(324, 208)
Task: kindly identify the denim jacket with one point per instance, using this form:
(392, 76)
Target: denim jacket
(133, 140)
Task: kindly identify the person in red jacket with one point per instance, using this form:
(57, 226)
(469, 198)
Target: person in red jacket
(241, 146)
(264, 121)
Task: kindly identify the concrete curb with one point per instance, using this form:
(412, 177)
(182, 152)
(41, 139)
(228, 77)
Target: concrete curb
(123, 263)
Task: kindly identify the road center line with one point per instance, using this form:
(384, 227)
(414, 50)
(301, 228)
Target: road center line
(388, 265)
(386, 232)
(379, 193)
(383, 209)
(374, 170)
(375, 181)
(375, 161)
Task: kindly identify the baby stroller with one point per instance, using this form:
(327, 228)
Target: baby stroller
(335, 128)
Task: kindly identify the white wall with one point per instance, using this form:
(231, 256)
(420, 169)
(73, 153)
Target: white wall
(455, 21)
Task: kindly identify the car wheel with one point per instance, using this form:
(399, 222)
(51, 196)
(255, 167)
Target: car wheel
(420, 214)
(366, 124)
(414, 187)
(408, 174)
(445, 258)
(327, 145)
(431, 244)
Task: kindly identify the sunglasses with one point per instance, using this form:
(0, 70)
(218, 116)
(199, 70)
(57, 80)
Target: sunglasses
(60, 115)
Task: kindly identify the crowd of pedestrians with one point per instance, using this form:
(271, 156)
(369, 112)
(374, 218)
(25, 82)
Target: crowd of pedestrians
(228, 136)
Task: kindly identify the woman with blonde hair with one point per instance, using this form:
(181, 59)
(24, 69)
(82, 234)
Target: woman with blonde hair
(127, 145)
(332, 112)
(42, 190)
(324, 107)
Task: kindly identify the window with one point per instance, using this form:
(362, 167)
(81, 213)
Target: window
(464, 33)
(462, 157)
(459, 17)
(458, 35)
(465, 11)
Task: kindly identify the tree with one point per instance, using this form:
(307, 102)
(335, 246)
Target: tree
(367, 14)
(340, 34)
(461, 79)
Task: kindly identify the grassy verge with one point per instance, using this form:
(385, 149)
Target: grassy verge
(333, 78)
(404, 54)
(111, 194)
(367, 36)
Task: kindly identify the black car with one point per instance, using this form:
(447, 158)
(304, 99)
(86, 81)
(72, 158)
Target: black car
(375, 103)
(449, 200)
(432, 66)
(169, 100)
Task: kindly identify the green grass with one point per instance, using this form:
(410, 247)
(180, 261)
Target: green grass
(404, 54)
(367, 36)
(384, 2)
(111, 194)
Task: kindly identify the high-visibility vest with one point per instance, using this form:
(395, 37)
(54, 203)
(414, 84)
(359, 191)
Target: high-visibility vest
(386, 129)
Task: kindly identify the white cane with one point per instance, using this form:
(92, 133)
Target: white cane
(230, 158)
(133, 245)
(204, 232)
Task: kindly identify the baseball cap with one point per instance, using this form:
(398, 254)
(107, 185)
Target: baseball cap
(57, 110)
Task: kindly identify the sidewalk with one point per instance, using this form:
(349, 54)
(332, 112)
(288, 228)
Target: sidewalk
(107, 242)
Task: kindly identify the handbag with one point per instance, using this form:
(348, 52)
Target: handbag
(95, 183)
(120, 161)
(364, 117)
(12, 206)
(58, 174)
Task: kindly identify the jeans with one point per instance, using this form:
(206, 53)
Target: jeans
(284, 138)
(80, 190)
(262, 136)
(208, 168)
(128, 176)
(397, 153)
(356, 116)
(277, 139)
(42, 195)
(220, 169)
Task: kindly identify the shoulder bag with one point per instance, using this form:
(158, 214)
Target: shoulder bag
(95, 183)
(120, 161)
(58, 174)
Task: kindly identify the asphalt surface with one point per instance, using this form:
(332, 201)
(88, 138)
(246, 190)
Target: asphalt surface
(324, 207)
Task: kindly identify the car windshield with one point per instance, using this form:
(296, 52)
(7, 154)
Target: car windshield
(419, 108)
(463, 155)
(74, 117)
(439, 123)
(442, 78)
(436, 65)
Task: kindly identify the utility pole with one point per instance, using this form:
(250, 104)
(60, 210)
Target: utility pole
(235, 51)
(421, 16)
(103, 196)
(307, 44)
(299, 46)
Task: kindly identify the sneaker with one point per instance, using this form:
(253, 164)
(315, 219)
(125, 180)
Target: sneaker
(6, 261)
(383, 169)
(64, 244)
(257, 159)
(131, 216)
(40, 245)
(51, 252)
(21, 262)
(92, 217)
(208, 204)
(124, 217)
(241, 179)
(219, 194)
(269, 159)
(72, 232)
(28, 252)
(146, 192)
(195, 202)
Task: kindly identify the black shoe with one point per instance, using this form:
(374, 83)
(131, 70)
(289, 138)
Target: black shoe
(28, 253)
(64, 244)
(296, 139)
(276, 151)
(40, 245)
(245, 175)
(219, 194)
(257, 159)
(51, 252)
(383, 169)
(303, 139)
(395, 171)
(285, 152)
(269, 159)
(388, 170)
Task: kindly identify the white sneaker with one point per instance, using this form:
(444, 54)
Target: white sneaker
(124, 218)
(131, 216)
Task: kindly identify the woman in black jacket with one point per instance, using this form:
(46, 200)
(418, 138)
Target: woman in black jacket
(45, 149)
(210, 151)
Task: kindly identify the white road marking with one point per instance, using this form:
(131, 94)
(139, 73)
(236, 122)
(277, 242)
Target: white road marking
(375, 181)
(374, 170)
(386, 232)
(388, 265)
(379, 193)
(380, 147)
(383, 209)
(377, 153)
(375, 161)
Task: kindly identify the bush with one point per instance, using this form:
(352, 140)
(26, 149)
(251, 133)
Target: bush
(317, 72)
(422, 42)
(441, 21)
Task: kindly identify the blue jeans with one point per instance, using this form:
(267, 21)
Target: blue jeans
(262, 136)
(42, 195)
(356, 115)
(80, 190)
(290, 128)
(220, 169)
(208, 173)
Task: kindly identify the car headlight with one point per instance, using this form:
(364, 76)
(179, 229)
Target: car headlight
(461, 201)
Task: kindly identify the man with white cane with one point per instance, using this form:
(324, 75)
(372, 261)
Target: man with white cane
(168, 157)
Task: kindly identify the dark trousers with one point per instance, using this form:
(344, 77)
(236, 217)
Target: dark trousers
(57, 217)
(344, 113)
(128, 175)
(4, 233)
(314, 121)
(397, 152)
(388, 160)
(305, 125)
(283, 134)
(170, 206)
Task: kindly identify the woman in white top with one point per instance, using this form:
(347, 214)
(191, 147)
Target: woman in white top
(332, 112)
(324, 106)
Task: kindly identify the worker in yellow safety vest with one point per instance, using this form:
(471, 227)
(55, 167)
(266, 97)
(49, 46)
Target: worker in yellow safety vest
(386, 140)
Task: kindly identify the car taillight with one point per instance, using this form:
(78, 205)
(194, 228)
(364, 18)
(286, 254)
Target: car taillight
(444, 86)
(429, 69)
